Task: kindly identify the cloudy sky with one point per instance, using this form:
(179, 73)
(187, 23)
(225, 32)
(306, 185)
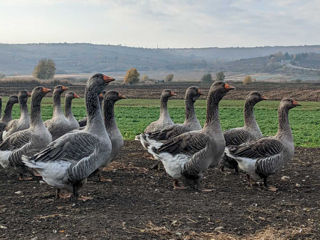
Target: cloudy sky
(162, 23)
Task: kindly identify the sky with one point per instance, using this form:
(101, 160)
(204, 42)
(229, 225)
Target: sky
(162, 23)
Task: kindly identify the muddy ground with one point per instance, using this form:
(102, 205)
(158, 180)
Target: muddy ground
(138, 203)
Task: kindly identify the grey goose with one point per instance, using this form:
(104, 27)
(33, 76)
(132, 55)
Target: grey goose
(29, 141)
(58, 125)
(249, 132)
(188, 155)
(69, 160)
(24, 121)
(265, 156)
(73, 123)
(7, 116)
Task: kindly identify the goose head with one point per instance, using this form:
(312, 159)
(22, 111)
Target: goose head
(98, 82)
(113, 96)
(219, 89)
(193, 93)
(167, 93)
(288, 103)
(72, 95)
(13, 99)
(254, 97)
(38, 93)
(59, 89)
(23, 96)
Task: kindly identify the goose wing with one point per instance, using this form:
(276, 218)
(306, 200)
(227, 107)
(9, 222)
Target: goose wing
(168, 132)
(16, 140)
(265, 147)
(237, 136)
(81, 149)
(188, 143)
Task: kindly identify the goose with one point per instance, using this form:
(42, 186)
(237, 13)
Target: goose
(110, 98)
(83, 122)
(164, 119)
(73, 123)
(249, 132)
(190, 154)
(191, 123)
(28, 141)
(24, 121)
(0, 107)
(66, 162)
(265, 156)
(7, 117)
(58, 125)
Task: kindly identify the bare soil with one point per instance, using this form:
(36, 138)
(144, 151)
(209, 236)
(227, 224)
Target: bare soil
(139, 203)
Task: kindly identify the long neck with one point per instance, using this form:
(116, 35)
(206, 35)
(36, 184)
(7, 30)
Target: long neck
(95, 123)
(108, 109)
(284, 129)
(190, 113)
(23, 110)
(36, 118)
(0, 107)
(57, 104)
(163, 107)
(249, 119)
(212, 119)
(8, 112)
(67, 107)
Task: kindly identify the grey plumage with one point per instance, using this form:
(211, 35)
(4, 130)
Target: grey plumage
(24, 121)
(7, 116)
(70, 159)
(190, 154)
(249, 132)
(264, 157)
(73, 123)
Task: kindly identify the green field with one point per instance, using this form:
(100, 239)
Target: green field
(133, 115)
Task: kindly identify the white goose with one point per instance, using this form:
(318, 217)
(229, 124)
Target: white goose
(264, 157)
(69, 160)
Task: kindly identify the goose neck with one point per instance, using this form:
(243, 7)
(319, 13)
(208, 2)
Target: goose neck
(284, 129)
(35, 118)
(57, 103)
(249, 118)
(68, 107)
(24, 110)
(8, 112)
(212, 119)
(95, 123)
(189, 110)
(164, 107)
(108, 109)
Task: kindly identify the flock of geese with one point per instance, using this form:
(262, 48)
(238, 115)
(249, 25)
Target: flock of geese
(64, 152)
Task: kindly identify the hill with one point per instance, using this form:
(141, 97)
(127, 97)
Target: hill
(17, 59)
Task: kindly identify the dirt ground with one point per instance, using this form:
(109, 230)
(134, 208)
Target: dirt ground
(139, 203)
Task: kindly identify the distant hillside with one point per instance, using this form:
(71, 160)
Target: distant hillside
(88, 58)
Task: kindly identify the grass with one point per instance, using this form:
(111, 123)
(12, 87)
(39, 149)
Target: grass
(133, 115)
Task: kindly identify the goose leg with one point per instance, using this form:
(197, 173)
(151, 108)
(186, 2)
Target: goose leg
(236, 170)
(249, 180)
(177, 186)
(156, 166)
(75, 194)
(270, 188)
(57, 194)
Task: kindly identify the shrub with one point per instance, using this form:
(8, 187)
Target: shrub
(169, 77)
(45, 69)
(132, 76)
(206, 78)
(220, 76)
(247, 80)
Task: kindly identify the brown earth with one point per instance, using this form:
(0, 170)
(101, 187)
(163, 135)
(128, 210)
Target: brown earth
(138, 203)
(275, 91)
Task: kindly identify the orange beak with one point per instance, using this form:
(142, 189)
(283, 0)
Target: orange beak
(265, 98)
(228, 86)
(108, 79)
(172, 93)
(296, 103)
(64, 88)
(46, 90)
(199, 92)
(29, 94)
(76, 95)
(122, 96)
(101, 95)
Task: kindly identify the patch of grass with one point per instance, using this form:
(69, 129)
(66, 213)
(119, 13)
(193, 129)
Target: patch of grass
(133, 115)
